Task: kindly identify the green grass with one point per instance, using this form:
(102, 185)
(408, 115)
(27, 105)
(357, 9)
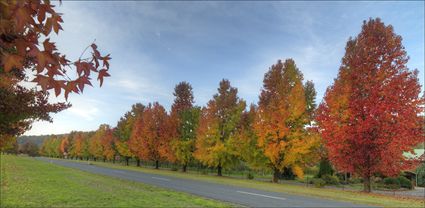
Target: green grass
(372, 199)
(26, 182)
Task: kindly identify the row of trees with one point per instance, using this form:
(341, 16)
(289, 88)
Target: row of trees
(218, 135)
(368, 118)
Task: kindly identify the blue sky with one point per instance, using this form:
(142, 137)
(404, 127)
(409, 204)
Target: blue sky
(155, 45)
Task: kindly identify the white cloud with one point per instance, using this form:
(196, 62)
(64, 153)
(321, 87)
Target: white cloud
(87, 112)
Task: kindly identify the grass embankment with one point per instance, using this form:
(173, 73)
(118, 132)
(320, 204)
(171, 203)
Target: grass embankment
(26, 182)
(348, 196)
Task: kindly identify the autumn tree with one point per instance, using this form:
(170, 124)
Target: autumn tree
(370, 115)
(71, 141)
(283, 115)
(217, 131)
(64, 146)
(247, 141)
(28, 55)
(51, 147)
(150, 137)
(96, 144)
(107, 142)
(184, 145)
(184, 119)
(124, 130)
(79, 146)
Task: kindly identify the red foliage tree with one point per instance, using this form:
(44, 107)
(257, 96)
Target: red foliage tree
(370, 115)
(150, 138)
(107, 142)
(64, 146)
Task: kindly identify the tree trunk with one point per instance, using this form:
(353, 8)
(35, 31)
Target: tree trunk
(219, 169)
(94, 159)
(275, 175)
(113, 160)
(126, 161)
(366, 184)
(104, 159)
(156, 164)
(184, 167)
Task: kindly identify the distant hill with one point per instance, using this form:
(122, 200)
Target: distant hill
(38, 140)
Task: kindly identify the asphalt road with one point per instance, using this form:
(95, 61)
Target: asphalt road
(238, 195)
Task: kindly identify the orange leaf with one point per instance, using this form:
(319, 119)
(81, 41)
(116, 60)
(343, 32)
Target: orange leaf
(41, 59)
(102, 73)
(23, 17)
(48, 26)
(43, 81)
(48, 46)
(12, 61)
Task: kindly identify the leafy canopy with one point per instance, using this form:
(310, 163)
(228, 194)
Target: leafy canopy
(370, 115)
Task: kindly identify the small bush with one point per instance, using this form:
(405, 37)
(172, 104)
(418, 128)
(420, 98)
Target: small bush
(330, 180)
(250, 176)
(377, 180)
(308, 180)
(311, 180)
(355, 180)
(391, 183)
(325, 168)
(404, 182)
(174, 169)
(318, 182)
(341, 177)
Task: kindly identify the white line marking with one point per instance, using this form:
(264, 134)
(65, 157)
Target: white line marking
(163, 179)
(272, 197)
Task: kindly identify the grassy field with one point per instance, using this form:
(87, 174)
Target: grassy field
(26, 182)
(348, 196)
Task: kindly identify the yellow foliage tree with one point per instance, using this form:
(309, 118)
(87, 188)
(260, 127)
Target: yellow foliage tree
(283, 119)
(218, 129)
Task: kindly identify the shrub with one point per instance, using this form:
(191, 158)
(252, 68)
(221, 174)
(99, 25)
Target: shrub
(174, 169)
(404, 182)
(377, 180)
(250, 176)
(341, 177)
(325, 168)
(355, 180)
(391, 183)
(330, 180)
(318, 182)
